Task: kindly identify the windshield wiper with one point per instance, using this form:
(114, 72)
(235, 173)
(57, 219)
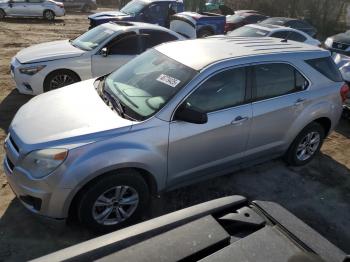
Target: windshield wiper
(114, 101)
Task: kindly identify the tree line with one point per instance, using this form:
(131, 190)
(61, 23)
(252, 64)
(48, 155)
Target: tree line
(328, 16)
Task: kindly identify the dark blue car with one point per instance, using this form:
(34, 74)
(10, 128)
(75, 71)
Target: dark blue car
(148, 11)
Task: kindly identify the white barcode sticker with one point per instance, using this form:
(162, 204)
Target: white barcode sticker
(168, 80)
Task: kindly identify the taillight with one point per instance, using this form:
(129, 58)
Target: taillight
(60, 5)
(344, 90)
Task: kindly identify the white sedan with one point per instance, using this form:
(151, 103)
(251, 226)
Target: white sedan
(287, 33)
(44, 67)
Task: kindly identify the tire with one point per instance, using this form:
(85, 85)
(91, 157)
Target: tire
(86, 9)
(60, 78)
(108, 214)
(2, 14)
(49, 15)
(204, 33)
(309, 141)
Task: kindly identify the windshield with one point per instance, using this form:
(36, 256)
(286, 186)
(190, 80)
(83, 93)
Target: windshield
(133, 7)
(93, 38)
(249, 32)
(234, 19)
(147, 83)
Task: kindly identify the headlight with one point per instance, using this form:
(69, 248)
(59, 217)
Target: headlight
(31, 70)
(40, 163)
(329, 42)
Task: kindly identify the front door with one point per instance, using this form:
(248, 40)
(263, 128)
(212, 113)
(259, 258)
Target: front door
(17, 8)
(220, 144)
(119, 51)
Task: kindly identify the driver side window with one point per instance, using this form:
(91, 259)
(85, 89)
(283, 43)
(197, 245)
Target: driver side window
(223, 90)
(128, 45)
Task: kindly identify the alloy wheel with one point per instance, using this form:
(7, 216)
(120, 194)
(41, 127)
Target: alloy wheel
(115, 205)
(308, 146)
(61, 80)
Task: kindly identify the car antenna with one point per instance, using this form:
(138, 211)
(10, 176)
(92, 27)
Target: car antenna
(285, 40)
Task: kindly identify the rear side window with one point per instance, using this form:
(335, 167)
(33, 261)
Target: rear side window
(273, 80)
(294, 36)
(326, 67)
(156, 37)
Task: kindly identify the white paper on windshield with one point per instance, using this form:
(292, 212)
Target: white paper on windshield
(168, 80)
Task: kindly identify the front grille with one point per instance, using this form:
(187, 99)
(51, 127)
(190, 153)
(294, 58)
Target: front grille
(14, 144)
(10, 164)
(340, 46)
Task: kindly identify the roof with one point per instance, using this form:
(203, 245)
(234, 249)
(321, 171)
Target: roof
(271, 28)
(126, 25)
(199, 53)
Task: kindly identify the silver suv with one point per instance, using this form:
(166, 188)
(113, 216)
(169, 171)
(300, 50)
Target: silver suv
(180, 112)
(47, 9)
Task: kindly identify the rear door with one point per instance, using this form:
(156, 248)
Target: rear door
(120, 50)
(279, 97)
(35, 7)
(219, 144)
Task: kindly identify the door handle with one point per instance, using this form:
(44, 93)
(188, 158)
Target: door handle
(239, 120)
(299, 101)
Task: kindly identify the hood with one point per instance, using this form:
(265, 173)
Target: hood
(342, 38)
(72, 111)
(110, 14)
(48, 51)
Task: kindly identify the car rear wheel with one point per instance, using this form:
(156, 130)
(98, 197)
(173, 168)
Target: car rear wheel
(60, 78)
(2, 14)
(306, 145)
(113, 202)
(49, 15)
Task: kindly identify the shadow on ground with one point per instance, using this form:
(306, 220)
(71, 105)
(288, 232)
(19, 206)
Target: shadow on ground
(344, 127)
(318, 194)
(9, 106)
(30, 20)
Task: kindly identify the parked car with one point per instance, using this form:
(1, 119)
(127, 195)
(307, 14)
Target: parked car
(80, 5)
(148, 11)
(276, 31)
(298, 24)
(181, 112)
(238, 12)
(339, 43)
(44, 67)
(48, 9)
(225, 229)
(198, 25)
(235, 21)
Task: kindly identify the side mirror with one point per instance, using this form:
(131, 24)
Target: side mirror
(104, 52)
(191, 115)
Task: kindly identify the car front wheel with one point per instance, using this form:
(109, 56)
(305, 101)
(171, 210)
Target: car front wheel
(113, 202)
(60, 78)
(306, 145)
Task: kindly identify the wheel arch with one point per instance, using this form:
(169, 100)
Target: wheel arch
(325, 122)
(146, 175)
(55, 71)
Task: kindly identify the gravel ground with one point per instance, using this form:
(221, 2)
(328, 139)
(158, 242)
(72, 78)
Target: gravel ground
(318, 193)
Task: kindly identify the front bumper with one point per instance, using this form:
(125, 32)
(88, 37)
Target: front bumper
(27, 84)
(37, 195)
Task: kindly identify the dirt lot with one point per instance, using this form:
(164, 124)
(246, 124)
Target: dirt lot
(318, 193)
